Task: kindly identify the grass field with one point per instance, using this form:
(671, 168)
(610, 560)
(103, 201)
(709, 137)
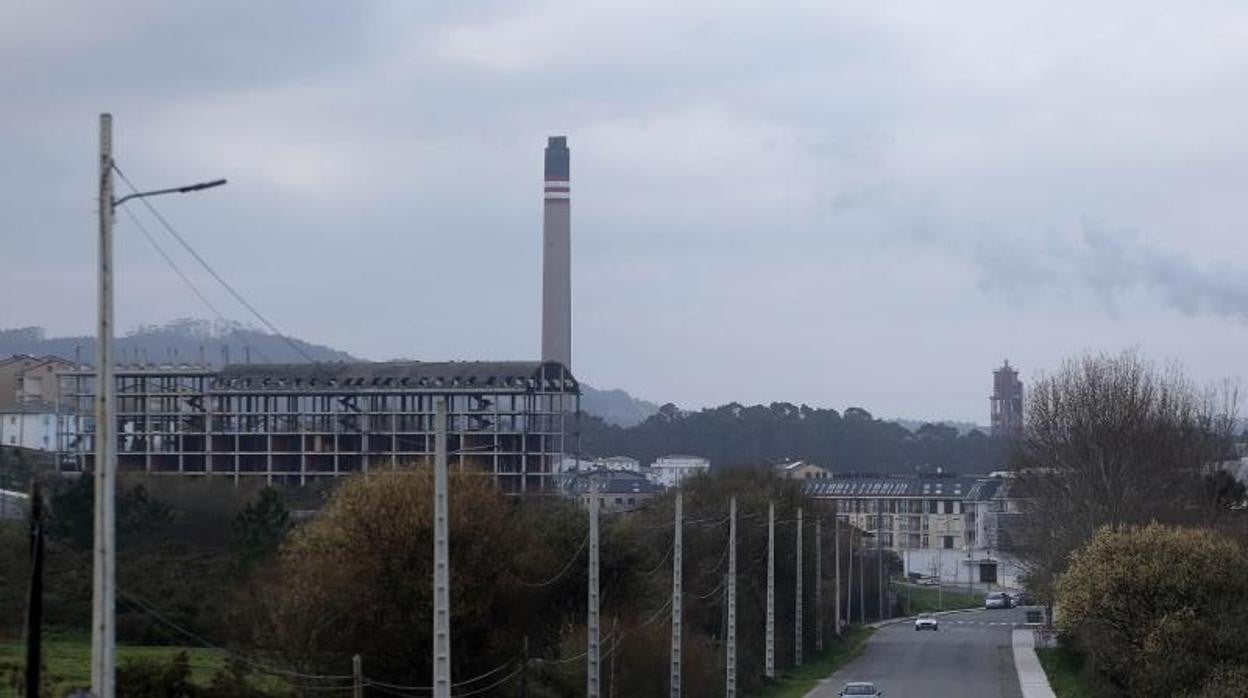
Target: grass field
(799, 681)
(1064, 669)
(924, 599)
(67, 660)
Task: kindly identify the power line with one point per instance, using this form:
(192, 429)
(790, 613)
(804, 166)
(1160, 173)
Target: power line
(147, 609)
(207, 267)
(575, 556)
(186, 279)
(172, 265)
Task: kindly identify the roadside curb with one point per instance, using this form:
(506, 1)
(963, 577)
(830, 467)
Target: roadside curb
(1031, 676)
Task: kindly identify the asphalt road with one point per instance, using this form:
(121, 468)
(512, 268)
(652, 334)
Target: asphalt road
(970, 655)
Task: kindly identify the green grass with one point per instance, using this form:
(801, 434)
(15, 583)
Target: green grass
(1064, 667)
(67, 660)
(799, 681)
(925, 599)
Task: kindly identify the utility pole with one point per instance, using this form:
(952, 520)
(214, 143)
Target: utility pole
(524, 671)
(357, 677)
(940, 580)
(849, 582)
(797, 594)
(769, 668)
(592, 686)
(103, 597)
(819, 584)
(862, 584)
(879, 555)
(836, 546)
(730, 679)
(677, 565)
(34, 607)
(441, 559)
(104, 567)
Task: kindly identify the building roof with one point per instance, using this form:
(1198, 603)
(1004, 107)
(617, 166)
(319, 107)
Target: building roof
(952, 487)
(608, 482)
(30, 407)
(797, 465)
(362, 374)
(459, 375)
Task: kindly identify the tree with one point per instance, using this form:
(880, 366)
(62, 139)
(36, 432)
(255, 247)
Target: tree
(260, 528)
(357, 579)
(1114, 441)
(1155, 609)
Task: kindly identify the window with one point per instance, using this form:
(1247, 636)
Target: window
(619, 500)
(932, 506)
(948, 542)
(948, 506)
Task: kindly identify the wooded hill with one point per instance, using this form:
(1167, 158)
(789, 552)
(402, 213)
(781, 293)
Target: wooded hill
(739, 435)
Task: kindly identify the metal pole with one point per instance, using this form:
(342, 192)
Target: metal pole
(769, 667)
(441, 559)
(591, 654)
(940, 580)
(797, 596)
(819, 584)
(677, 565)
(836, 547)
(103, 603)
(730, 680)
(357, 676)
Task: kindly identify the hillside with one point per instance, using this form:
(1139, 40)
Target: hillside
(852, 441)
(185, 340)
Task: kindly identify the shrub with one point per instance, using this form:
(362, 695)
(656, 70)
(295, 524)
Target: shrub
(1154, 608)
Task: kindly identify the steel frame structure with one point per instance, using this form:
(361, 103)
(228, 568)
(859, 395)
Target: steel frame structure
(291, 423)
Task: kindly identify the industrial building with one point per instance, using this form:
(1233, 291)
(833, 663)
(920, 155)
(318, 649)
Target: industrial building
(291, 423)
(1006, 403)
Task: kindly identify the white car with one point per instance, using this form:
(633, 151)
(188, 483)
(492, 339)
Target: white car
(860, 688)
(925, 621)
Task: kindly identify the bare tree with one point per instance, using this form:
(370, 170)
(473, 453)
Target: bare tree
(1114, 441)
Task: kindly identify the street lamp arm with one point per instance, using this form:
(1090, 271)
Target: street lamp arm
(174, 190)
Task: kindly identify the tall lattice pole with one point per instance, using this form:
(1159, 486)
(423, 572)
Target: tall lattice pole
(819, 584)
(592, 682)
(441, 559)
(836, 554)
(730, 679)
(677, 580)
(797, 601)
(769, 667)
(103, 603)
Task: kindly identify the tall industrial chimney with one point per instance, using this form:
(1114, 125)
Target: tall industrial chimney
(557, 255)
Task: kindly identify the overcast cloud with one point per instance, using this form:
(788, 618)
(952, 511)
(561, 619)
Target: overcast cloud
(831, 203)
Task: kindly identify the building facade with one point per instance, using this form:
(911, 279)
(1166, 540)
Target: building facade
(25, 378)
(296, 422)
(617, 490)
(33, 425)
(669, 471)
(947, 527)
(801, 470)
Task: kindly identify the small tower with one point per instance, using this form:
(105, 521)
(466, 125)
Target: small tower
(1006, 402)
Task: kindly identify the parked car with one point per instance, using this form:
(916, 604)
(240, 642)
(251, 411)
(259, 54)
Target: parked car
(860, 688)
(925, 621)
(1022, 598)
(997, 599)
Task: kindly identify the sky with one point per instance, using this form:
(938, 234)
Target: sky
(830, 203)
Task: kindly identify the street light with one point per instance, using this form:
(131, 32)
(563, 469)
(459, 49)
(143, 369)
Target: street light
(103, 596)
